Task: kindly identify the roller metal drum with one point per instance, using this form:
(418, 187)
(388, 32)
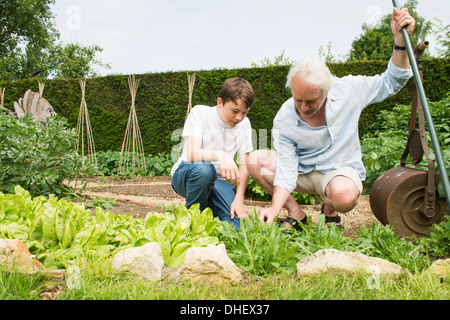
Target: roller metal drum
(399, 198)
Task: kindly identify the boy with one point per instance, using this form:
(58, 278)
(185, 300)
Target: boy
(206, 172)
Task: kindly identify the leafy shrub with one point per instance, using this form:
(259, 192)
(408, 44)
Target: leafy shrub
(156, 166)
(381, 153)
(385, 142)
(37, 157)
(438, 242)
(255, 192)
(381, 241)
(108, 162)
(159, 165)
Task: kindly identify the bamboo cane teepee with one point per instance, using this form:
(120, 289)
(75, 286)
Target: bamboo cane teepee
(177, 150)
(132, 156)
(191, 82)
(84, 130)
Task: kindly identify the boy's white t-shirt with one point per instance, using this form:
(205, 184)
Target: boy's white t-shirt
(205, 123)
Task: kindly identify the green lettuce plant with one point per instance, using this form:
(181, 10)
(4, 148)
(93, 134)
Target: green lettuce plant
(178, 231)
(58, 231)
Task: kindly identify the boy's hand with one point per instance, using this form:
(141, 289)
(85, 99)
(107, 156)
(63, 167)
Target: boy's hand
(228, 169)
(238, 208)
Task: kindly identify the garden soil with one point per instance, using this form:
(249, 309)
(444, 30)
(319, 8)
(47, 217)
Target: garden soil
(139, 196)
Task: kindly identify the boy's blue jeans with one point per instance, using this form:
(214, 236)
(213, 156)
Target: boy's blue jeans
(198, 183)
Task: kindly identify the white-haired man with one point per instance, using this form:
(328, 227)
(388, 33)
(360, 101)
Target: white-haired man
(316, 134)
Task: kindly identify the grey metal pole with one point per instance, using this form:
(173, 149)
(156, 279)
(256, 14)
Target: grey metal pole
(426, 110)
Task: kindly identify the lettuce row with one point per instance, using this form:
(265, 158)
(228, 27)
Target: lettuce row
(57, 231)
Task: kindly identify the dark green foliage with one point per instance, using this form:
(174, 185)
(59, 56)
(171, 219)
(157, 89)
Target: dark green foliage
(438, 242)
(380, 241)
(162, 99)
(156, 166)
(37, 157)
(385, 141)
(375, 43)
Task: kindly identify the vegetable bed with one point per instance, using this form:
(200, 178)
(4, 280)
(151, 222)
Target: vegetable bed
(58, 231)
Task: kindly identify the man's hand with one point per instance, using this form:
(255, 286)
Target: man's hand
(279, 198)
(399, 20)
(268, 214)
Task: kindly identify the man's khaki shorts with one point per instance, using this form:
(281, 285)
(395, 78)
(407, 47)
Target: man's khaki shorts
(315, 182)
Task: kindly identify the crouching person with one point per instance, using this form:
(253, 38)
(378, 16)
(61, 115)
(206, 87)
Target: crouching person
(316, 134)
(206, 172)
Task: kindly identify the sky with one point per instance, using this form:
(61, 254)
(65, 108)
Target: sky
(145, 36)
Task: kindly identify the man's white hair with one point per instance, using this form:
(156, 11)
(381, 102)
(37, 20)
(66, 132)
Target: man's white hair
(312, 70)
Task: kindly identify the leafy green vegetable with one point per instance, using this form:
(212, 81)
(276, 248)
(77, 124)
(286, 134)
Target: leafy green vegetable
(381, 241)
(57, 230)
(183, 229)
(259, 248)
(321, 236)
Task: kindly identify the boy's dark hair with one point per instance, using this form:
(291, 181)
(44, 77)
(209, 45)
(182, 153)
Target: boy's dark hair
(235, 89)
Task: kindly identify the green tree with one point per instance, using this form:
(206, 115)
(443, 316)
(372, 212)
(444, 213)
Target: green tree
(327, 55)
(280, 60)
(26, 29)
(443, 37)
(30, 47)
(376, 42)
(74, 61)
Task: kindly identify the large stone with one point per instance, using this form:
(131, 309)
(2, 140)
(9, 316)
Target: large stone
(14, 255)
(145, 261)
(334, 260)
(440, 268)
(210, 264)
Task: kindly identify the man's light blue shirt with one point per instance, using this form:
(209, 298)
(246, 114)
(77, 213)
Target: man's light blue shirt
(301, 148)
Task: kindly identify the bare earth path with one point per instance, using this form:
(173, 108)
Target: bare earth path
(139, 196)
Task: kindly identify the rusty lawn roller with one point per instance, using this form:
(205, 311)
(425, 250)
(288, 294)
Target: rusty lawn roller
(407, 198)
(399, 198)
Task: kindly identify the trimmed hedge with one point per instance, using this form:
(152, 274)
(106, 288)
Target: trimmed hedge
(162, 99)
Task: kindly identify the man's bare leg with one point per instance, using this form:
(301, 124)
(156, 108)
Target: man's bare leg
(341, 195)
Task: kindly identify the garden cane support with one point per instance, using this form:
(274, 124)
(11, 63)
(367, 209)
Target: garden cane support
(84, 129)
(132, 155)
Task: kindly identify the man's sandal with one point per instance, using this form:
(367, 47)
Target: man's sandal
(336, 219)
(295, 223)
